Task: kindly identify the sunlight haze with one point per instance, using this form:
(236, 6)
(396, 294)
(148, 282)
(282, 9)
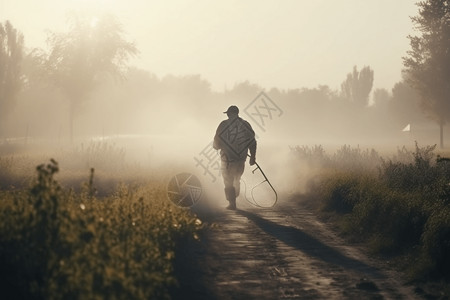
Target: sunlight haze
(284, 44)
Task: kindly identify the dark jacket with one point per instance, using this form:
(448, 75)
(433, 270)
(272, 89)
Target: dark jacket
(234, 137)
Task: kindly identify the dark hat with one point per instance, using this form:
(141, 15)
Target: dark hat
(232, 109)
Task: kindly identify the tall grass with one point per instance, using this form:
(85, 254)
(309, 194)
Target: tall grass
(104, 155)
(109, 160)
(59, 244)
(400, 205)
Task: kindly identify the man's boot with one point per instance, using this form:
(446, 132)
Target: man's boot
(230, 194)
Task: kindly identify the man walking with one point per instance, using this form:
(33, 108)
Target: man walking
(234, 137)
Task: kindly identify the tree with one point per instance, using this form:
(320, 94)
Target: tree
(405, 104)
(245, 90)
(93, 47)
(380, 99)
(427, 64)
(11, 54)
(356, 88)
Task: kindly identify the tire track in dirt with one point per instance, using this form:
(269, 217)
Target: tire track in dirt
(285, 253)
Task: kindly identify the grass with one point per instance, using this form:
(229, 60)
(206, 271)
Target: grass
(60, 242)
(398, 206)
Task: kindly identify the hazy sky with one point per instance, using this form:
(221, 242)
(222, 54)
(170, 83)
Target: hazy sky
(274, 43)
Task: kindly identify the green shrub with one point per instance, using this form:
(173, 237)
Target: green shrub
(57, 244)
(346, 158)
(393, 217)
(436, 242)
(402, 210)
(339, 192)
(355, 159)
(314, 156)
(417, 175)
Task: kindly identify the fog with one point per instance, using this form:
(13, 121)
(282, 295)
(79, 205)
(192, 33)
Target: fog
(185, 110)
(166, 124)
(290, 45)
(167, 121)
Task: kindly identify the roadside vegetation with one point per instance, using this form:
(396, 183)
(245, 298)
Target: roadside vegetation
(73, 242)
(398, 206)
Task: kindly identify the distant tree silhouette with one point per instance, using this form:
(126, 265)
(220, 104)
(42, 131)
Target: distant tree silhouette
(405, 104)
(78, 59)
(357, 86)
(428, 62)
(11, 55)
(314, 101)
(244, 91)
(381, 99)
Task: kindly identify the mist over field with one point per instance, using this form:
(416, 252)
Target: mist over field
(178, 66)
(110, 186)
(159, 88)
(167, 124)
(176, 117)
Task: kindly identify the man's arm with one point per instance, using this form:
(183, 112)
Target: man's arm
(252, 149)
(252, 146)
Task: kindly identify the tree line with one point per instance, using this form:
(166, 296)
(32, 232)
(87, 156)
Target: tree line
(84, 76)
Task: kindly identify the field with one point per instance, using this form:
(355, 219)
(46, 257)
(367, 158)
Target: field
(83, 222)
(397, 205)
(67, 234)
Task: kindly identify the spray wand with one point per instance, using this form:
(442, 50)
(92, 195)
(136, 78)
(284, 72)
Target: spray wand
(253, 201)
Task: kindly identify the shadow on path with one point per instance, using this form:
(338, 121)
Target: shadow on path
(308, 244)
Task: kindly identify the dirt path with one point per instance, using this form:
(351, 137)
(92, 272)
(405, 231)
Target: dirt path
(282, 253)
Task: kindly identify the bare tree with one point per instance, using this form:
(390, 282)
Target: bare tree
(428, 62)
(11, 54)
(357, 86)
(78, 59)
